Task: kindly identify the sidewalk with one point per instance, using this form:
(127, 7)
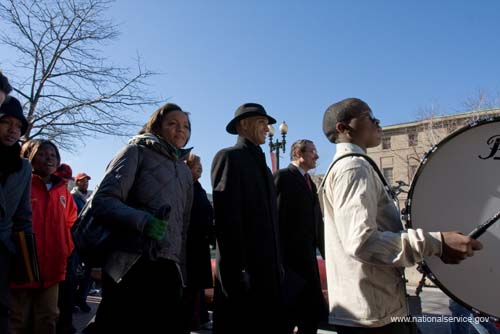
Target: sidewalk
(434, 304)
(81, 319)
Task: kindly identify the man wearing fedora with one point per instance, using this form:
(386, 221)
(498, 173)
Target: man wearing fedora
(249, 274)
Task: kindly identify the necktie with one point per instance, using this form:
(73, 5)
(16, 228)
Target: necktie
(308, 181)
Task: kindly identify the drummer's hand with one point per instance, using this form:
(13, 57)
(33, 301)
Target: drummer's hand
(457, 247)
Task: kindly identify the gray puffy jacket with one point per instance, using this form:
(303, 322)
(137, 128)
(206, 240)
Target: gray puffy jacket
(141, 179)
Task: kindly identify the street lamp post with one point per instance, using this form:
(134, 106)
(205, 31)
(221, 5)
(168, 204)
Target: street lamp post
(277, 145)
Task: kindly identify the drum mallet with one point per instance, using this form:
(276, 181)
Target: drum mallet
(480, 229)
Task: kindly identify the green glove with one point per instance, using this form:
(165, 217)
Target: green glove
(155, 228)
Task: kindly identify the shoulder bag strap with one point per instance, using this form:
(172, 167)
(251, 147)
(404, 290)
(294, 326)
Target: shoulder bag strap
(372, 163)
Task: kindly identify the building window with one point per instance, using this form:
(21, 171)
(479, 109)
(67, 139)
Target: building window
(412, 139)
(388, 174)
(386, 143)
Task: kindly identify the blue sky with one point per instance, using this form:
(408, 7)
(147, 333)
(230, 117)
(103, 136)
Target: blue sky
(298, 57)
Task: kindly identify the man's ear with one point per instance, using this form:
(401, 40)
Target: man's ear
(242, 127)
(243, 124)
(341, 127)
(298, 153)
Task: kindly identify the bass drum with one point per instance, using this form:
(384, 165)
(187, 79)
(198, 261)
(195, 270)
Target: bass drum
(456, 188)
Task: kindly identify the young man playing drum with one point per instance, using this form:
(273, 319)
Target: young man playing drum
(366, 246)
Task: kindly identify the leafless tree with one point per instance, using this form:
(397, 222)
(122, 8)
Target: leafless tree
(431, 124)
(482, 100)
(436, 125)
(71, 90)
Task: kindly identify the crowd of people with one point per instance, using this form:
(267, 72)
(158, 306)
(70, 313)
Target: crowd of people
(266, 230)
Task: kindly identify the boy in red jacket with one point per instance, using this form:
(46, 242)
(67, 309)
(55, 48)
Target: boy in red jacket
(34, 305)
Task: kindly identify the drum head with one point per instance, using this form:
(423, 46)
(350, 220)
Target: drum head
(455, 189)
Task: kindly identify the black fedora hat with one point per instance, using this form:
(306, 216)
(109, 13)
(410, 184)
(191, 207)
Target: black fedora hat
(247, 110)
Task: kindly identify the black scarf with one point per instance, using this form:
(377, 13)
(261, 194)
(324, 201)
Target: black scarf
(10, 161)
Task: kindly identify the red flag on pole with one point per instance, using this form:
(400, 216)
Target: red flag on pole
(273, 161)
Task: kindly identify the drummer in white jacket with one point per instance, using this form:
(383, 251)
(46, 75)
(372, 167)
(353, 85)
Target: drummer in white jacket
(365, 243)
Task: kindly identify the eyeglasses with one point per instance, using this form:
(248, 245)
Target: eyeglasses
(372, 118)
(368, 114)
(311, 151)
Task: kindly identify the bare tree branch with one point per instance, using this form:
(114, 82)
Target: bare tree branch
(481, 100)
(71, 91)
(432, 126)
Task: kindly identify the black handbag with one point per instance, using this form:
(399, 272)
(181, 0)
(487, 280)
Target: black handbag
(90, 237)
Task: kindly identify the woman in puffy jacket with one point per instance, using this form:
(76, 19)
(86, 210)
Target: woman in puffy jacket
(145, 201)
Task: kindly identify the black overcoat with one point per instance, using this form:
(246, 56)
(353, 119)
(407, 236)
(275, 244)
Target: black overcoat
(249, 272)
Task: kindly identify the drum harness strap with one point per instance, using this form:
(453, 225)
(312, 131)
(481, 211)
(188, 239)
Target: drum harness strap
(413, 302)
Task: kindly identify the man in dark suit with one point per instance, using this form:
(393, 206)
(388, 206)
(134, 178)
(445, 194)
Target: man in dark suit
(249, 274)
(301, 232)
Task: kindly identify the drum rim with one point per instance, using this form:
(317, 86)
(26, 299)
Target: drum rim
(427, 156)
